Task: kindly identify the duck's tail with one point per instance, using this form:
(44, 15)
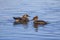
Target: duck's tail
(14, 18)
(17, 18)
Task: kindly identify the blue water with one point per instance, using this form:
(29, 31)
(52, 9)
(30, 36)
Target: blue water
(48, 10)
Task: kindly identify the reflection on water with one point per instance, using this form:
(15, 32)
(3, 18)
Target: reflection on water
(16, 23)
(36, 27)
(25, 24)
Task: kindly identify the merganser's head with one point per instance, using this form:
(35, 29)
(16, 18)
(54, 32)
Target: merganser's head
(25, 15)
(35, 18)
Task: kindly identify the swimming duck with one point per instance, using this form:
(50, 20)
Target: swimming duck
(40, 22)
(23, 19)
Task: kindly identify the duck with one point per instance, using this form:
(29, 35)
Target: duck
(40, 22)
(23, 19)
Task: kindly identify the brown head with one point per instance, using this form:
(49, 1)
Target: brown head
(25, 16)
(35, 18)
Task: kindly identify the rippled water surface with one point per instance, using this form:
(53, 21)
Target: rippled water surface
(48, 10)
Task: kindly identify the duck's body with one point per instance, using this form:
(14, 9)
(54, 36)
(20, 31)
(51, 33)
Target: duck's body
(40, 22)
(17, 18)
(22, 19)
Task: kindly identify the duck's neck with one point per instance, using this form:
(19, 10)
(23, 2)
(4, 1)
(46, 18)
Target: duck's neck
(35, 19)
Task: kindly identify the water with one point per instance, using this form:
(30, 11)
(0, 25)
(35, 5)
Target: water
(48, 10)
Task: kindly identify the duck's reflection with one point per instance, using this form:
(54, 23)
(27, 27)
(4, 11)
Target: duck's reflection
(36, 27)
(16, 23)
(24, 24)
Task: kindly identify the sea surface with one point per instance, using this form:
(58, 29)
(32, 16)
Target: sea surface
(47, 10)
